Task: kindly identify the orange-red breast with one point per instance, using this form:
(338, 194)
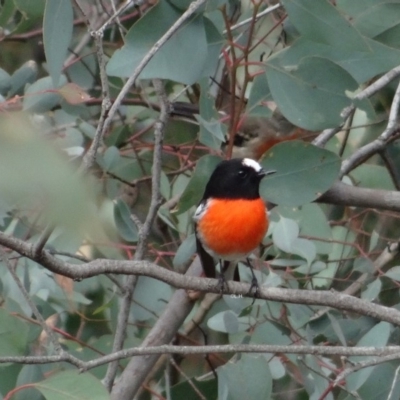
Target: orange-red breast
(231, 219)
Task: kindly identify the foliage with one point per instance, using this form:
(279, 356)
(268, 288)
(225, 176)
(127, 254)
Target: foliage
(288, 74)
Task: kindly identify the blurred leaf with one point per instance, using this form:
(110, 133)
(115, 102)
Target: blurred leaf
(285, 233)
(363, 264)
(312, 222)
(195, 188)
(126, 227)
(247, 378)
(317, 88)
(393, 273)
(22, 76)
(372, 176)
(323, 23)
(31, 8)
(373, 240)
(304, 172)
(185, 251)
(225, 321)
(6, 11)
(41, 96)
(69, 385)
(110, 159)
(73, 93)
(371, 292)
(337, 329)
(378, 336)
(10, 343)
(36, 177)
(304, 248)
(57, 34)
(150, 298)
(269, 332)
(177, 60)
(5, 82)
(190, 389)
(314, 268)
(29, 374)
(340, 250)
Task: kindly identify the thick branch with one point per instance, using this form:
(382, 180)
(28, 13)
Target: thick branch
(342, 194)
(103, 266)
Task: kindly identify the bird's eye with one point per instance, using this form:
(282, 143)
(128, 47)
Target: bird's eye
(242, 173)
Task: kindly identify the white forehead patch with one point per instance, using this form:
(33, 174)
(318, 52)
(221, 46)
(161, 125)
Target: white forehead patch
(248, 162)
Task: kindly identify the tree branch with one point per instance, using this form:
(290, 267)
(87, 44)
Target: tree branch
(380, 83)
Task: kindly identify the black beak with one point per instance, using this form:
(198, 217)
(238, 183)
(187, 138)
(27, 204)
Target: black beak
(263, 172)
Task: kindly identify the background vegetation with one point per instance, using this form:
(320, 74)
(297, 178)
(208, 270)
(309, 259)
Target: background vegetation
(114, 114)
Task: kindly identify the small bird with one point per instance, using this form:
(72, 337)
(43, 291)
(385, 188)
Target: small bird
(231, 219)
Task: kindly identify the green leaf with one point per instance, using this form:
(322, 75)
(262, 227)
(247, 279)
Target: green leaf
(150, 298)
(259, 94)
(185, 251)
(195, 188)
(22, 76)
(5, 82)
(378, 336)
(393, 273)
(339, 251)
(126, 227)
(29, 374)
(177, 60)
(110, 158)
(248, 378)
(304, 248)
(312, 222)
(57, 34)
(322, 22)
(372, 176)
(304, 172)
(31, 8)
(69, 385)
(371, 292)
(374, 20)
(362, 65)
(225, 321)
(312, 94)
(41, 95)
(363, 265)
(10, 343)
(285, 233)
(212, 132)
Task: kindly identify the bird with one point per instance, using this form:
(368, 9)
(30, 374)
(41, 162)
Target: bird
(231, 219)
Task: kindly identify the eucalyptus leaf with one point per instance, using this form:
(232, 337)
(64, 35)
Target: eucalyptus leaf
(57, 34)
(304, 172)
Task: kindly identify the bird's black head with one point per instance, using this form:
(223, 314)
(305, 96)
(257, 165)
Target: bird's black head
(238, 178)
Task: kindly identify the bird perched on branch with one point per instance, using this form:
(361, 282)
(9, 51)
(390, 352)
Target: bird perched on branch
(231, 219)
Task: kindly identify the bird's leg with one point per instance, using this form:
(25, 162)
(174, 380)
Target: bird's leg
(221, 278)
(254, 288)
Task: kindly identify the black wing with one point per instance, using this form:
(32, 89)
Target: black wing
(206, 260)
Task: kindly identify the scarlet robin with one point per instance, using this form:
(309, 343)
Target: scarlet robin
(231, 219)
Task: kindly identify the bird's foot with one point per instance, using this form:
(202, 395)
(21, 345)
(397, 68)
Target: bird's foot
(254, 289)
(222, 284)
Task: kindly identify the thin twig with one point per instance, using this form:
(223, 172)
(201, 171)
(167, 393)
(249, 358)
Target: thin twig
(144, 230)
(385, 354)
(395, 355)
(364, 152)
(384, 80)
(255, 18)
